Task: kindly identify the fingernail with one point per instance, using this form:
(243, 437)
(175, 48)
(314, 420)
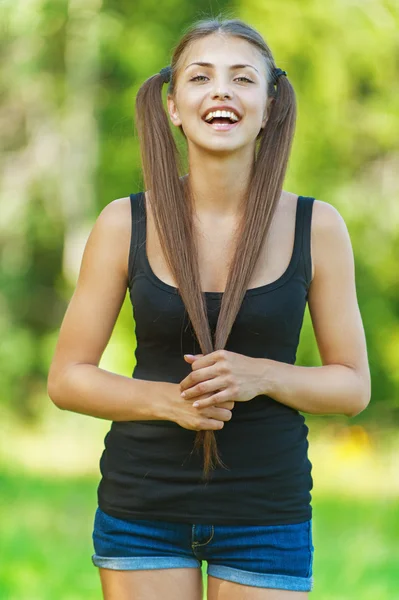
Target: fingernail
(196, 404)
(189, 355)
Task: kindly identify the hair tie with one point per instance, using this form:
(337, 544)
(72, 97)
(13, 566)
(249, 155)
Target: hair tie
(276, 74)
(166, 73)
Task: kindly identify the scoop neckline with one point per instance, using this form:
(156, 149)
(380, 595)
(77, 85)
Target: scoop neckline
(250, 291)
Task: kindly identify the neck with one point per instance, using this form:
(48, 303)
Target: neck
(219, 184)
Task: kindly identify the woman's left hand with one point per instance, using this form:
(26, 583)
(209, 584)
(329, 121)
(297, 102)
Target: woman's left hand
(230, 375)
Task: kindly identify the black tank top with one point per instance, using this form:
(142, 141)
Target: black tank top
(149, 469)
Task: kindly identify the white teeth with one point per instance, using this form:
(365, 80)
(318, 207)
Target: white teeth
(221, 113)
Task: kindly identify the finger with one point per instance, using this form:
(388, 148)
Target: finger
(203, 360)
(205, 387)
(191, 357)
(212, 424)
(229, 405)
(196, 378)
(220, 413)
(222, 396)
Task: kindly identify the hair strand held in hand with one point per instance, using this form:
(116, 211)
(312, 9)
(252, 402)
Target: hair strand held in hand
(172, 202)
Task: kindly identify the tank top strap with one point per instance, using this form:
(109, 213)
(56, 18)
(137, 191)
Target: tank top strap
(138, 232)
(306, 207)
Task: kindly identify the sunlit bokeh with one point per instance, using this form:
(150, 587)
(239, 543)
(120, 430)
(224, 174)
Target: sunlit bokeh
(69, 74)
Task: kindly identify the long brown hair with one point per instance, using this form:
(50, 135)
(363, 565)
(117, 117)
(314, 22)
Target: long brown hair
(172, 201)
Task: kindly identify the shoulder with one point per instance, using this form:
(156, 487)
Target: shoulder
(112, 230)
(115, 219)
(328, 225)
(326, 217)
(116, 212)
(330, 238)
(329, 233)
(323, 214)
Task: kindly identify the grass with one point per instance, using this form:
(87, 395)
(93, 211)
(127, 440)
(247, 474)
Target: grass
(46, 547)
(49, 496)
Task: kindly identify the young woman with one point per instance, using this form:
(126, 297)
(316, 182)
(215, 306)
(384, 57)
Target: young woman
(219, 264)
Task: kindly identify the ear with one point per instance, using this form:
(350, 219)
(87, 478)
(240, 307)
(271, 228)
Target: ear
(268, 108)
(173, 112)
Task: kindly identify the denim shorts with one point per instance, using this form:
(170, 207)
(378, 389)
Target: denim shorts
(266, 556)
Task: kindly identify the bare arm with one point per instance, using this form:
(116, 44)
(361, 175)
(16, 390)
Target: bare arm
(342, 385)
(75, 382)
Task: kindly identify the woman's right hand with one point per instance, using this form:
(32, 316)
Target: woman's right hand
(209, 418)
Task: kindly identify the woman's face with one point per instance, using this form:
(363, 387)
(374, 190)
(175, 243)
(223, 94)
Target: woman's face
(201, 88)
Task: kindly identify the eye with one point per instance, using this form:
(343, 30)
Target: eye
(204, 76)
(198, 77)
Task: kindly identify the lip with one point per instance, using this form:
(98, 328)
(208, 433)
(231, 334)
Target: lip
(222, 107)
(222, 126)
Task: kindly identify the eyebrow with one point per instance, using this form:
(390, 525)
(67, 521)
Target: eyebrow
(207, 64)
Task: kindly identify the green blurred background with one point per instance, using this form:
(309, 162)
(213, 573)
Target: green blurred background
(69, 74)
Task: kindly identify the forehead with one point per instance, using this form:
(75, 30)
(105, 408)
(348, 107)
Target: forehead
(223, 51)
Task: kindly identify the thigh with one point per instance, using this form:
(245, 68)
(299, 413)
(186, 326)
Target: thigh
(167, 584)
(219, 589)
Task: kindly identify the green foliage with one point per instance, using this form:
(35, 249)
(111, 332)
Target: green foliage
(46, 546)
(69, 75)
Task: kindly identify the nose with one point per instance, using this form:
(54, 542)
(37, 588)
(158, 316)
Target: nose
(221, 91)
(222, 95)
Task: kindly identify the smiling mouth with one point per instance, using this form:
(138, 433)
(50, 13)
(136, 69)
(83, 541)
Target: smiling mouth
(220, 124)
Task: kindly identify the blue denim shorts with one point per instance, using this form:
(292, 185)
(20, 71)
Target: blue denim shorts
(266, 556)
